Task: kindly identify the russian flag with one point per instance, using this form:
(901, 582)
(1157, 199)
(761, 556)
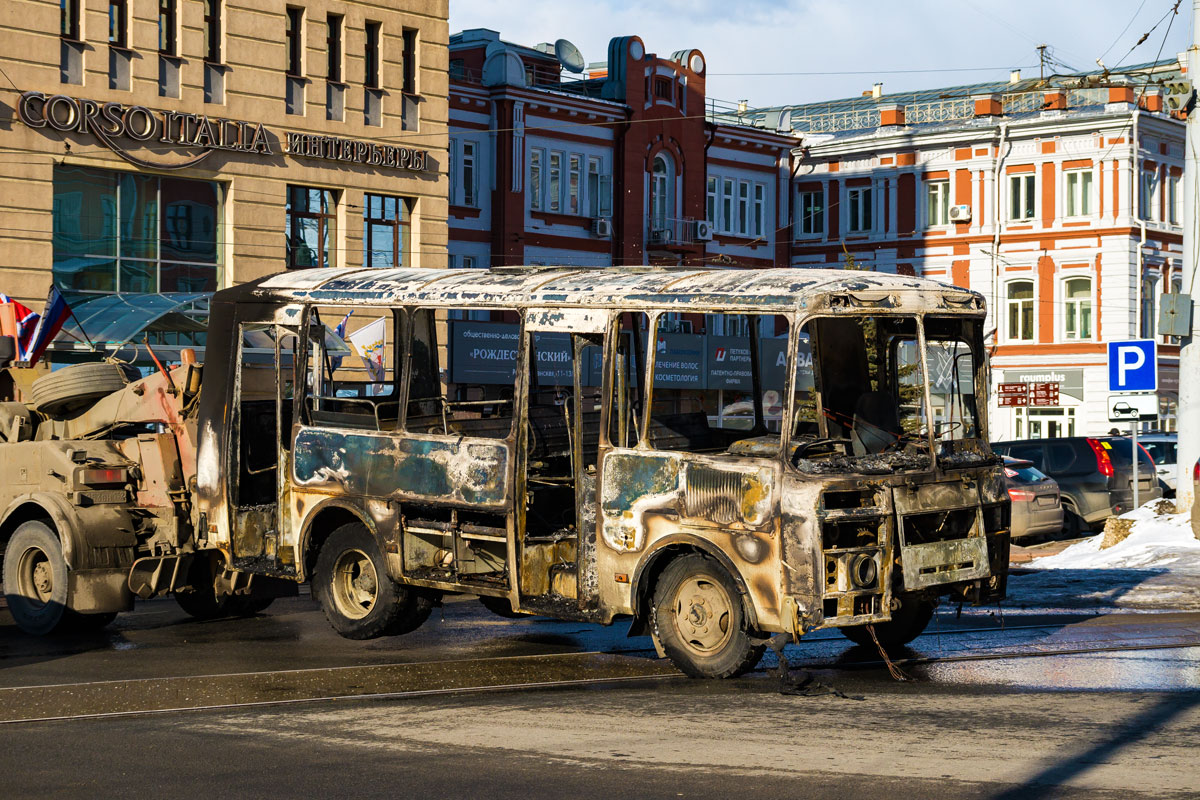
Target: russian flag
(27, 320)
(51, 322)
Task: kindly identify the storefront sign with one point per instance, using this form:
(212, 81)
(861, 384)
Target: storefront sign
(1070, 381)
(113, 122)
(1012, 394)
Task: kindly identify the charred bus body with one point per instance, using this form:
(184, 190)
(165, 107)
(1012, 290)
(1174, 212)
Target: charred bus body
(838, 476)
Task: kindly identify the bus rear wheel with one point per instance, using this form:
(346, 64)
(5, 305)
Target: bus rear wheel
(359, 598)
(699, 620)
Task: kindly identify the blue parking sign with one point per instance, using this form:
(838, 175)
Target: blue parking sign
(1133, 366)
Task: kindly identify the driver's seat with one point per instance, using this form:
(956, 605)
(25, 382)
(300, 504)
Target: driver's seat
(876, 423)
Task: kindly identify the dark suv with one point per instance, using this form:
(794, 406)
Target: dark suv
(1094, 473)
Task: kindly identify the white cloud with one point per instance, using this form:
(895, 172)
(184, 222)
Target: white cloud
(873, 37)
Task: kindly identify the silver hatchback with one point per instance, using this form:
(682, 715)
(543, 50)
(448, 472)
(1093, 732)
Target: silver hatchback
(1036, 503)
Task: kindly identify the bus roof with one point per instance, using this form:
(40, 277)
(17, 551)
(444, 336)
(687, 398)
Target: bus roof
(771, 290)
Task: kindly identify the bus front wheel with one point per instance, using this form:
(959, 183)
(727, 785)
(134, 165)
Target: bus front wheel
(699, 620)
(907, 623)
(359, 598)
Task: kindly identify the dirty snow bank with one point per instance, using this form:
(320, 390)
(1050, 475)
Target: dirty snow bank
(1156, 540)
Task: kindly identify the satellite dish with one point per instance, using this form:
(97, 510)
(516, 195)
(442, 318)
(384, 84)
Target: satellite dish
(569, 56)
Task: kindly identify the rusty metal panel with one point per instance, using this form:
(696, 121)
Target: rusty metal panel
(573, 320)
(443, 470)
(634, 483)
(727, 495)
(944, 562)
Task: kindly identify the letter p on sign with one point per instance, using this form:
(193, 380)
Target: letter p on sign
(1133, 366)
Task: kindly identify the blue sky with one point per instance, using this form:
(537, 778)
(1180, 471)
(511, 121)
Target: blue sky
(851, 44)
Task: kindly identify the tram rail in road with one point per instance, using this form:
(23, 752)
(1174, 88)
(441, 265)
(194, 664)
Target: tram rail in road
(110, 698)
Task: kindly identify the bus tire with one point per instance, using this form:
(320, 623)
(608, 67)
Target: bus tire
(35, 579)
(415, 609)
(699, 620)
(360, 600)
(907, 623)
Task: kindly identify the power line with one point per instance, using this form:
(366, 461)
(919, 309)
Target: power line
(869, 71)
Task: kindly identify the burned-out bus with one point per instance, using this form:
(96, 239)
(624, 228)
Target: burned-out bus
(721, 455)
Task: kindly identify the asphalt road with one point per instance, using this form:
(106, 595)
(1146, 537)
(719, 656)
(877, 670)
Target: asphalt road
(1037, 703)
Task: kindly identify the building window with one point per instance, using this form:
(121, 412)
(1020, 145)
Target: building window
(662, 88)
(333, 46)
(118, 23)
(295, 41)
(385, 231)
(555, 189)
(1077, 294)
(599, 189)
(937, 203)
(1020, 311)
(860, 210)
(125, 232)
(371, 56)
(812, 213)
(470, 189)
(409, 61)
(168, 16)
(1022, 198)
(69, 19)
(1079, 192)
(311, 227)
(743, 218)
(728, 187)
(660, 193)
(535, 180)
(760, 208)
(574, 175)
(1146, 196)
(212, 31)
(1148, 327)
(714, 189)
(1173, 198)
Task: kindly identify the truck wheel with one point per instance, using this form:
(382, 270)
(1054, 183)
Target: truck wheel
(699, 620)
(202, 602)
(907, 623)
(35, 579)
(360, 600)
(415, 609)
(72, 389)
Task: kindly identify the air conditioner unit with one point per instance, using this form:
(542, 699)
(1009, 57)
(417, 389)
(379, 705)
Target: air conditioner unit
(960, 213)
(703, 231)
(602, 227)
(660, 236)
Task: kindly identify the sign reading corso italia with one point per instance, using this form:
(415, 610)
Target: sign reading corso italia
(112, 122)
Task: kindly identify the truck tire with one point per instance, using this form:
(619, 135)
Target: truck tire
(70, 390)
(201, 601)
(35, 579)
(359, 598)
(699, 620)
(907, 623)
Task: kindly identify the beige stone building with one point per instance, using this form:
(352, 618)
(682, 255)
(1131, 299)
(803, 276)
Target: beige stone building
(186, 145)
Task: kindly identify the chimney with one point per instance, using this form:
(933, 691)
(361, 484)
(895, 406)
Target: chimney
(1121, 94)
(877, 91)
(891, 114)
(988, 105)
(1014, 76)
(1152, 99)
(1054, 100)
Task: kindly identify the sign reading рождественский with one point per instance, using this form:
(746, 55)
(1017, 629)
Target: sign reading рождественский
(151, 129)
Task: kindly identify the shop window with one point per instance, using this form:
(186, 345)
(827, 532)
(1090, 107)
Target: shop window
(1020, 311)
(311, 227)
(385, 231)
(124, 232)
(463, 374)
(1077, 299)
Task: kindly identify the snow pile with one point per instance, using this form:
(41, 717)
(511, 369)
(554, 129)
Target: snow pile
(1155, 541)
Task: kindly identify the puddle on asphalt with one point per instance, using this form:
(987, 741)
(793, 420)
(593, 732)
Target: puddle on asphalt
(1164, 670)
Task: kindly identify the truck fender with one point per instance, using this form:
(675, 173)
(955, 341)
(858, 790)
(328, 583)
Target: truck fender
(83, 531)
(347, 512)
(679, 542)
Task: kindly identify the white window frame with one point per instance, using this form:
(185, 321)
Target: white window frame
(811, 224)
(1009, 303)
(862, 197)
(712, 205)
(1149, 307)
(760, 209)
(470, 179)
(1072, 310)
(1173, 196)
(592, 186)
(574, 183)
(937, 203)
(534, 186)
(1147, 207)
(1079, 192)
(743, 208)
(728, 204)
(452, 168)
(554, 189)
(1022, 188)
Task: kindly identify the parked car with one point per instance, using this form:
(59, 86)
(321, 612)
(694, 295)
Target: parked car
(1036, 502)
(1094, 474)
(1162, 447)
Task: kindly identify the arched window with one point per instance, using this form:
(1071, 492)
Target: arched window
(1077, 294)
(1020, 311)
(661, 192)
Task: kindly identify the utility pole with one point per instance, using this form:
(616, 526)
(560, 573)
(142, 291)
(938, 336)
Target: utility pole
(1188, 414)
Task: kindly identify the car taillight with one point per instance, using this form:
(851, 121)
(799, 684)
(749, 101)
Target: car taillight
(1196, 472)
(1103, 461)
(1021, 495)
(103, 476)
